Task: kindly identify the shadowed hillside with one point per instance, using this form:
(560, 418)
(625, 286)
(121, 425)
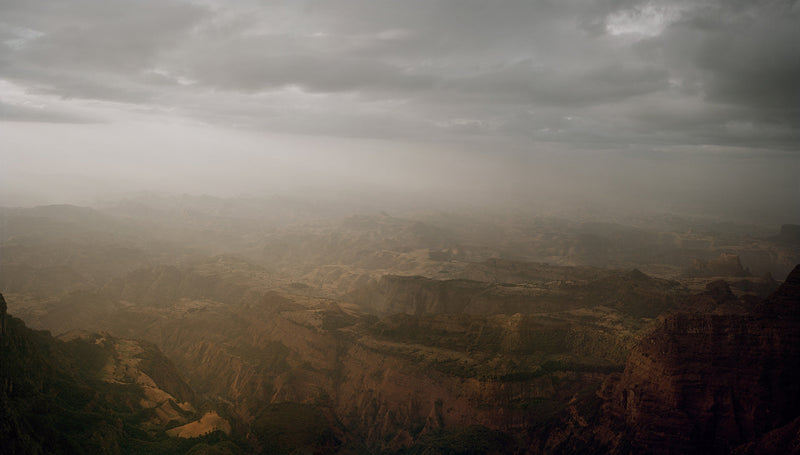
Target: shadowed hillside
(92, 393)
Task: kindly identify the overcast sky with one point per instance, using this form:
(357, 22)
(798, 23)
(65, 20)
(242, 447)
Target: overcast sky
(691, 100)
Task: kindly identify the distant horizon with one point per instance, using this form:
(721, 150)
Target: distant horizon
(316, 205)
(647, 105)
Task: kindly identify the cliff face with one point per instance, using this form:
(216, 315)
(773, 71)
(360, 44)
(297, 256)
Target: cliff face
(703, 382)
(728, 265)
(88, 393)
(393, 381)
(389, 382)
(706, 383)
(129, 361)
(631, 292)
(387, 390)
(392, 401)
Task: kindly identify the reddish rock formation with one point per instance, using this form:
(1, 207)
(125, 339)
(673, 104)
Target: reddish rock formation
(707, 383)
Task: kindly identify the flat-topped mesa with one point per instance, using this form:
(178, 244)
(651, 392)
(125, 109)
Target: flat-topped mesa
(637, 275)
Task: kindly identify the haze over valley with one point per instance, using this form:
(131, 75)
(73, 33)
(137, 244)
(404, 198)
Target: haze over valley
(399, 227)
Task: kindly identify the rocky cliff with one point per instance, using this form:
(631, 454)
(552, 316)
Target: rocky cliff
(725, 265)
(707, 383)
(90, 394)
(631, 292)
(439, 373)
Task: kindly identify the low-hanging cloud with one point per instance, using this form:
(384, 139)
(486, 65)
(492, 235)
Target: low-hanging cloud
(566, 75)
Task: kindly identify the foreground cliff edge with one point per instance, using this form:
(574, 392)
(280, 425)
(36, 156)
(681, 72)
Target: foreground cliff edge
(714, 383)
(90, 393)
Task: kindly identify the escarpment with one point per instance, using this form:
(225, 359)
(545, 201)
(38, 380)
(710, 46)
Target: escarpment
(707, 383)
(631, 292)
(93, 393)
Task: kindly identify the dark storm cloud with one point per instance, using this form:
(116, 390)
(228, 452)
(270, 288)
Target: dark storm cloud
(524, 83)
(743, 60)
(614, 71)
(744, 53)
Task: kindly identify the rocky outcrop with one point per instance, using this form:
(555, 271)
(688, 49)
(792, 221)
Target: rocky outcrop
(784, 304)
(631, 292)
(762, 286)
(789, 234)
(718, 298)
(726, 265)
(88, 393)
(707, 383)
(132, 362)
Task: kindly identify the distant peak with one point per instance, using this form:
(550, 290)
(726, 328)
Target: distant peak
(720, 291)
(637, 275)
(791, 286)
(786, 300)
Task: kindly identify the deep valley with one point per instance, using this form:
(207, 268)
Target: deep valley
(381, 334)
